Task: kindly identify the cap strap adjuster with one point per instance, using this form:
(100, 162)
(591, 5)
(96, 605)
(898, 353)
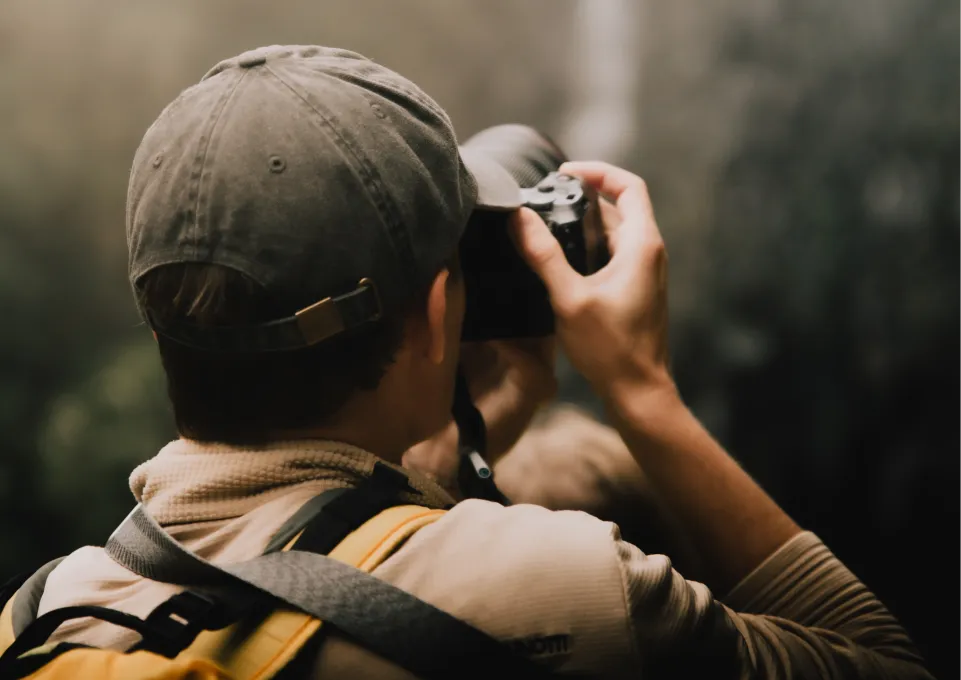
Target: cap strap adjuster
(333, 315)
(320, 321)
(309, 326)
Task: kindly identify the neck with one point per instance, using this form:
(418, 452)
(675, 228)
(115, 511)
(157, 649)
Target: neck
(365, 422)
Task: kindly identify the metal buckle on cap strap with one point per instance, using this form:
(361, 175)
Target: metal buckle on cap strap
(369, 283)
(320, 321)
(324, 319)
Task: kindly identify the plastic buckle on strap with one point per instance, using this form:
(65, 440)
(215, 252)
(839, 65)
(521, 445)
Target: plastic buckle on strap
(175, 624)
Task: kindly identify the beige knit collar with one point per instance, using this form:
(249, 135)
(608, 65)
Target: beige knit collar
(190, 481)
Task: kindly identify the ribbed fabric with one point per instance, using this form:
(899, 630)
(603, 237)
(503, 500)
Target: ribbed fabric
(834, 598)
(191, 481)
(800, 614)
(560, 584)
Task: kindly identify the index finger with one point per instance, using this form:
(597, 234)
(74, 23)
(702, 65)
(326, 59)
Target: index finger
(629, 193)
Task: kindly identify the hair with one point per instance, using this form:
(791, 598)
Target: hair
(242, 399)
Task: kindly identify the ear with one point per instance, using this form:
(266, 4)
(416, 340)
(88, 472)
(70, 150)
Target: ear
(437, 331)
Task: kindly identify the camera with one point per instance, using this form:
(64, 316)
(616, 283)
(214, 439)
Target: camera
(505, 299)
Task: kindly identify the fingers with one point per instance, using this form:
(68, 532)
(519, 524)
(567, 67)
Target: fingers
(629, 193)
(611, 222)
(537, 245)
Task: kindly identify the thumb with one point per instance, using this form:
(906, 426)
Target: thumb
(542, 253)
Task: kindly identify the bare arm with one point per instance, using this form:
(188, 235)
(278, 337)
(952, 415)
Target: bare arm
(798, 610)
(802, 613)
(733, 523)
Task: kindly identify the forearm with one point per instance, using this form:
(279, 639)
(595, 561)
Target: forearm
(733, 524)
(806, 584)
(801, 615)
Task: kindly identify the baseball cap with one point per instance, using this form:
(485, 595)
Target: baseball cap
(330, 180)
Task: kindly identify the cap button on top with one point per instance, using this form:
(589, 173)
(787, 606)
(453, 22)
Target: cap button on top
(252, 60)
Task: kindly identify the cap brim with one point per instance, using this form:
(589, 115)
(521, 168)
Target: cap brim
(496, 189)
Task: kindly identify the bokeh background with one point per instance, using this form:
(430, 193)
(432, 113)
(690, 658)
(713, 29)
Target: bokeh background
(803, 162)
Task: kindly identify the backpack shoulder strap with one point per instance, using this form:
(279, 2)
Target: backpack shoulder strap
(284, 632)
(396, 625)
(7, 636)
(244, 650)
(21, 607)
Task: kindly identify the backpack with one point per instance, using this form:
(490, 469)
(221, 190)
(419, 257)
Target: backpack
(263, 618)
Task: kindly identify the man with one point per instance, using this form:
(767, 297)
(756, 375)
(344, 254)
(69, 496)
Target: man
(293, 224)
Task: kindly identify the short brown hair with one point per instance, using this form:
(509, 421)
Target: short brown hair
(243, 398)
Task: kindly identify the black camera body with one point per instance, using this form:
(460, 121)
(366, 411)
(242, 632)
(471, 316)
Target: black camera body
(562, 203)
(505, 299)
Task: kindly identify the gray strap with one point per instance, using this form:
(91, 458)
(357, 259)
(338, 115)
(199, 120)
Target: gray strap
(381, 617)
(301, 519)
(27, 602)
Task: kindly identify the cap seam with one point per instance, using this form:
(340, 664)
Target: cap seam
(372, 182)
(200, 161)
(421, 98)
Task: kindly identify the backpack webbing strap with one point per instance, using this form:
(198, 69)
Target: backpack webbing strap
(20, 600)
(472, 441)
(336, 518)
(386, 620)
(68, 660)
(208, 623)
(27, 600)
(300, 519)
(258, 647)
(28, 664)
(7, 636)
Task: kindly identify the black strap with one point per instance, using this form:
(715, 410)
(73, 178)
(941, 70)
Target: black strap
(28, 665)
(314, 324)
(475, 478)
(345, 512)
(471, 428)
(36, 633)
(327, 518)
(386, 620)
(300, 519)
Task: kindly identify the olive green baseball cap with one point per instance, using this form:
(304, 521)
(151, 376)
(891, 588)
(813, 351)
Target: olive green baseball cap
(330, 180)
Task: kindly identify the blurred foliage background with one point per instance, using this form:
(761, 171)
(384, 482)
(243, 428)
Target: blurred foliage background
(802, 157)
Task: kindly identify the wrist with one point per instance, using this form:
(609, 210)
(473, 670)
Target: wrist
(644, 405)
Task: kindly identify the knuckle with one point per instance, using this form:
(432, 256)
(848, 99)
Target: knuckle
(654, 252)
(576, 303)
(543, 251)
(639, 184)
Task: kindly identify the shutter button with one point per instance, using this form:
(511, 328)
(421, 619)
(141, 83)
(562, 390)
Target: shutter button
(252, 60)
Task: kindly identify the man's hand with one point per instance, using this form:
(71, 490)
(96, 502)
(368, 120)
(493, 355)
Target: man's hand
(613, 323)
(508, 381)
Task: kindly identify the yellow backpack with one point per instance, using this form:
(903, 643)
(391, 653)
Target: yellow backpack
(249, 621)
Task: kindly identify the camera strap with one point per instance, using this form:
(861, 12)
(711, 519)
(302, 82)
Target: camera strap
(475, 476)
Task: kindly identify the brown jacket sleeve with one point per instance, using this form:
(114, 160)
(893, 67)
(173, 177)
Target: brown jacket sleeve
(801, 614)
